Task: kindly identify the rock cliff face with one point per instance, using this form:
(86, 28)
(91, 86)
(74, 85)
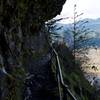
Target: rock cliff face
(22, 39)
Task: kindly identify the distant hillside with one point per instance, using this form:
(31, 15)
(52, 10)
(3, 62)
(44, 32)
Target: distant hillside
(93, 42)
(93, 25)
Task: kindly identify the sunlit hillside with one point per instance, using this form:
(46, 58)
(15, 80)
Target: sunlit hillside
(91, 67)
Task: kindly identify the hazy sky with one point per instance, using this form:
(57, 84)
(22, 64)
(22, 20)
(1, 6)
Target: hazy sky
(90, 8)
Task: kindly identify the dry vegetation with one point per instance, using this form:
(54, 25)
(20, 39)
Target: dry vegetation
(91, 63)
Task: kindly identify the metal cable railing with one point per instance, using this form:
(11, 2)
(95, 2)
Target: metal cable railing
(61, 84)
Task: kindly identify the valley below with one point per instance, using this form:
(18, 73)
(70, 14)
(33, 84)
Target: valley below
(91, 67)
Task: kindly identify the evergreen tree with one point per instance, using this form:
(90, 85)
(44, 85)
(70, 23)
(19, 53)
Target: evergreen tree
(52, 29)
(80, 33)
